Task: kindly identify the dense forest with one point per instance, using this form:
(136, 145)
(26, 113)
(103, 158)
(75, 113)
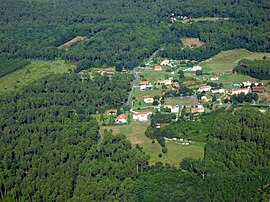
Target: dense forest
(259, 69)
(124, 33)
(51, 150)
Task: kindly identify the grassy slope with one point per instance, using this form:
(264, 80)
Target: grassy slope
(227, 60)
(176, 152)
(34, 71)
(191, 41)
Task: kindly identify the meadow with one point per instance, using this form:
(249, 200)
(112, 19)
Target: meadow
(34, 71)
(176, 152)
(191, 41)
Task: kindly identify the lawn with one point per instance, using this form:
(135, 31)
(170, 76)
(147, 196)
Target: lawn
(176, 152)
(190, 101)
(191, 41)
(225, 61)
(34, 71)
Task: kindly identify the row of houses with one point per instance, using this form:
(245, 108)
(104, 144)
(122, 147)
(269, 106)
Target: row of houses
(255, 89)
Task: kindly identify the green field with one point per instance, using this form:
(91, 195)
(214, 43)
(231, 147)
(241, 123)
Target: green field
(191, 41)
(34, 71)
(203, 19)
(225, 61)
(176, 152)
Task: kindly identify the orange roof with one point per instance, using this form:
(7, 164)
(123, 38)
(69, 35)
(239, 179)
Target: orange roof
(144, 82)
(122, 116)
(158, 67)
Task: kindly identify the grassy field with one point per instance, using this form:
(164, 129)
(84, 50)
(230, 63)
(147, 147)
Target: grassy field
(203, 19)
(34, 71)
(176, 152)
(182, 101)
(191, 41)
(225, 61)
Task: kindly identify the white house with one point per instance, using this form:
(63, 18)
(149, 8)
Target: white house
(165, 82)
(238, 91)
(195, 68)
(164, 62)
(214, 78)
(148, 100)
(141, 116)
(174, 108)
(204, 88)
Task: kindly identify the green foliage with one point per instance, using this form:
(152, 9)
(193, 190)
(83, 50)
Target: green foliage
(259, 69)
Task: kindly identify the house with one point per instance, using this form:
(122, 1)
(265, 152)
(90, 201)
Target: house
(195, 68)
(198, 109)
(157, 68)
(238, 91)
(258, 89)
(124, 71)
(174, 108)
(214, 91)
(214, 78)
(165, 82)
(247, 83)
(148, 100)
(141, 116)
(204, 88)
(111, 112)
(204, 99)
(236, 85)
(143, 85)
(164, 62)
(110, 73)
(122, 118)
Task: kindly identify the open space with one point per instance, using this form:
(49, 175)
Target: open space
(203, 19)
(176, 152)
(72, 41)
(34, 71)
(225, 61)
(191, 41)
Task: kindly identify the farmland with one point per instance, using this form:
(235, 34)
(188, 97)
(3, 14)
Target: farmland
(34, 71)
(191, 41)
(176, 152)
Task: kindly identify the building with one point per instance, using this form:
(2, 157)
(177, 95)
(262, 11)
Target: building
(111, 112)
(214, 78)
(195, 68)
(204, 88)
(174, 108)
(204, 99)
(141, 116)
(165, 82)
(238, 91)
(148, 100)
(157, 68)
(246, 83)
(143, 85)
(164, 62)
(122, 118)
(214, 91)
(258, 89)
(199, 109)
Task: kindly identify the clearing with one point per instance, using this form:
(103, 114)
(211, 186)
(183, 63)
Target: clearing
(203, 19)
(72, 41)
(225, 61)
(176, 152)
(34, 71)
(191, 41)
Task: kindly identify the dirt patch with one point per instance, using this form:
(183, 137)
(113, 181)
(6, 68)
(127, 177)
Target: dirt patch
(191, 42)
(72, 41)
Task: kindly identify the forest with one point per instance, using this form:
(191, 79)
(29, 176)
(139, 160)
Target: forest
(35, 29)
(259, 69)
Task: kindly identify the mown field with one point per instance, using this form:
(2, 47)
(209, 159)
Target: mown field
(176, 152)
(34, 71)
(225, 61)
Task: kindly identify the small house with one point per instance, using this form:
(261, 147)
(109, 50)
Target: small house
(148, 100)
(157, 68)
(164, 62)
(258, 89)
(195, 68)
(141, 116)
(214, 78)
(122, 118)
(111, 112)
(204, 88)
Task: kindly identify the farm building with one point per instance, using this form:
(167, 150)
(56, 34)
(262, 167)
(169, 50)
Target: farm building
(238, 91)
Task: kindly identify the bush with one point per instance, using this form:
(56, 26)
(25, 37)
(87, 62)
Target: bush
(160, 155)
(164, 150)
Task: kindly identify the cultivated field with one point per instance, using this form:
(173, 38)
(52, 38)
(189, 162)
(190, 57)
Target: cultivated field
(34, 71)
(72, 41)
(191, 41)
(176, 152)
